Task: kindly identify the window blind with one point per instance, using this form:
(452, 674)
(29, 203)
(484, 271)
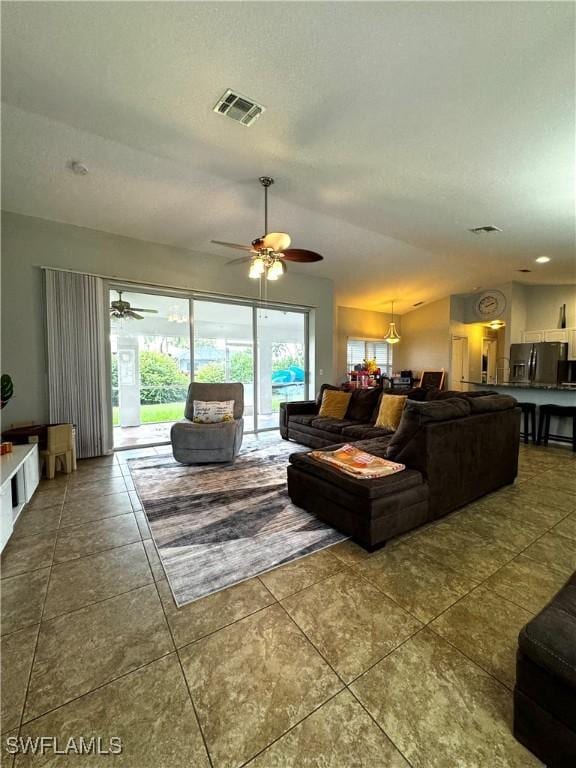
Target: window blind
(368, 349)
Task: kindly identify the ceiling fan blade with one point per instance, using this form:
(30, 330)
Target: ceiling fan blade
(300, 254)
(140, 309)
(276, 241)
(233, 245)
(241, 260)
(135, 315)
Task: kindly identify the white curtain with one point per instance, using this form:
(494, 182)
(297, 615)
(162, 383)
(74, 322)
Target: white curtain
(77, 354)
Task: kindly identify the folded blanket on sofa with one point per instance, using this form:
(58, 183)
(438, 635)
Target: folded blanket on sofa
(357, 463)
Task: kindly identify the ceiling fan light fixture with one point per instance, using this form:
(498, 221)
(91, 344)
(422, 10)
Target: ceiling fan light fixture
(256, 268)
(276, 270)
(276, 241)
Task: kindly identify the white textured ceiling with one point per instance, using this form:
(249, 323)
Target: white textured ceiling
(391, 128)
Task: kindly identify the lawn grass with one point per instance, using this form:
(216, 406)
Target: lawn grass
(153, 413)
(149, 414)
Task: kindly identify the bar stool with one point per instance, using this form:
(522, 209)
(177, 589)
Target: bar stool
(529, 412)
(561, 411)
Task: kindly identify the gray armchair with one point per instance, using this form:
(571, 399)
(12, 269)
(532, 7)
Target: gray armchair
(209, 443)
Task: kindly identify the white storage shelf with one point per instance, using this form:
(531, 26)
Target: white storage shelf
(20, 473)
(567, 335)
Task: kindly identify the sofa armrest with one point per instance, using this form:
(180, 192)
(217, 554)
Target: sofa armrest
(303, 407)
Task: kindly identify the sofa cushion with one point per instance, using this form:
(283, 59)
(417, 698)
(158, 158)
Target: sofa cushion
(329, 424)
(549, 639)
(491, 403)
(362, 404)
(334, 404)
(303, 418)
(390, 412)
(364, 432)
(416, 414)
(447, 394)
(323, 389)
(416, 393)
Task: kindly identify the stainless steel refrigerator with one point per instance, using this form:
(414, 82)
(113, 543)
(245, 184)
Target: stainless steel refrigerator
(536, 363)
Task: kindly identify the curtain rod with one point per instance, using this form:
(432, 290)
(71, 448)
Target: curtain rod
(187, 291)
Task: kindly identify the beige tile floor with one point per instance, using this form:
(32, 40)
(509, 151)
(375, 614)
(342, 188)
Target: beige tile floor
(342, 659)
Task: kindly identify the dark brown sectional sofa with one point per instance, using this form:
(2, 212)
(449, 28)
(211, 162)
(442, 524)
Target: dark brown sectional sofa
(300, 421)
(456, 448)
(545, 692)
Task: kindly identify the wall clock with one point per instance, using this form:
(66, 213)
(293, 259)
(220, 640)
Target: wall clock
(489, 304)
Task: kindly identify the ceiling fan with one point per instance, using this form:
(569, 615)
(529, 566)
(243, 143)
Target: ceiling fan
(120, 309)
(270, 251)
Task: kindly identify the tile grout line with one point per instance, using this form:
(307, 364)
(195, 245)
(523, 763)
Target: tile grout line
(209, 756)
(482, 583)
(292, 727)
(194, 709)
(25, 722)
(348, 684)
(97, 688)
(97, 602)
(81, 557)
(33, 662)
(371, 716)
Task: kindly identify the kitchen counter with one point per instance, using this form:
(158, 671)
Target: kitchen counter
(539, 394)
(510, 385)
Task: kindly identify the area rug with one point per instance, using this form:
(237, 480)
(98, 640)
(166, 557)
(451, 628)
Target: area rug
(217, 525)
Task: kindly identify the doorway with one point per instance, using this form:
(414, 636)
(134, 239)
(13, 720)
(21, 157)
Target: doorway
(489, 346)
(459, 364)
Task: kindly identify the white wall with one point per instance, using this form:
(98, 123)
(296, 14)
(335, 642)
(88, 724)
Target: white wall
(425, 342)
(543, 306)
(354, 323)
(28, 243)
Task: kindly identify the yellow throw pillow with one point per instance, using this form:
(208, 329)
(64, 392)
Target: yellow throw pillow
(334, 403)
(390, 411)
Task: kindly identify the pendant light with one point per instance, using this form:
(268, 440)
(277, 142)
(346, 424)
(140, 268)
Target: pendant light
(392, 336)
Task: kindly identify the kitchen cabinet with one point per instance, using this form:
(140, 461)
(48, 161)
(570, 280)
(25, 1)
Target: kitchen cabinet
(532, 337)
(567, 335)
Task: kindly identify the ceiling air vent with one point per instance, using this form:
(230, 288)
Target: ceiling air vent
(485, 229)
(239, 108)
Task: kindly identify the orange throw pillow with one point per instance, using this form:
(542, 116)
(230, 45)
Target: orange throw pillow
(390, 411)
(334, 403)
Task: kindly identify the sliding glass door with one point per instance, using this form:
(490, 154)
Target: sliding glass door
(150, 347)
(282, 367)
(160, 343)
(224, 348)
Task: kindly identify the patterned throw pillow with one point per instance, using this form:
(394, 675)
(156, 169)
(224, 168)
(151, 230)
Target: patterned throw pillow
(390, 413)
(213, 411)
(334, 404)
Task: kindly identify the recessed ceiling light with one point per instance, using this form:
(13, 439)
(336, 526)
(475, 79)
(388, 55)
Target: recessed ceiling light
(543, 259)
(77, 167)
(486, 229)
